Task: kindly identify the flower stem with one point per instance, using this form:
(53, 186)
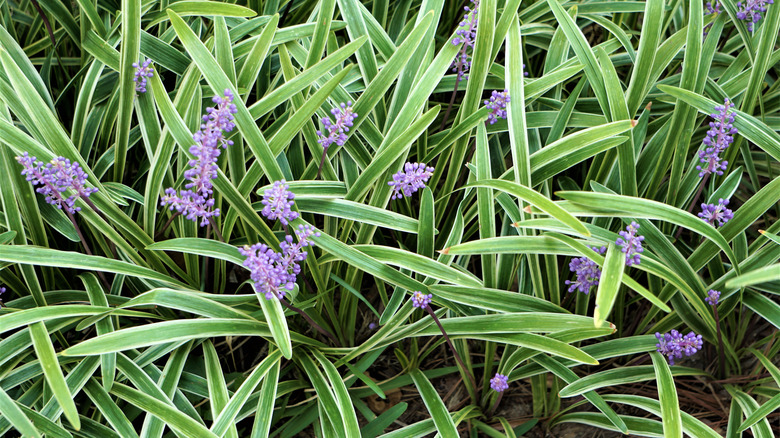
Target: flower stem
(309, 320)
(322, 162)
(216, 230)
(495, 405)
(452, 347)
(167, 224)
(455, 90)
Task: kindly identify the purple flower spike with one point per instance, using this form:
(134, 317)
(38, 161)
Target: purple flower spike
(411, 179)
(466, 34)
(719, 137)
(712, 297)
(713, 7)
(273, 273)
(2, 291)
(497, 106)
(55, 178)
(278, 200)
(750, 11)
(337, 132)
(421, 300)
(142, 72)
(588, 272)
(499, 383)
(631, 243)
(196, 200)
(674, 345)
(712, 213)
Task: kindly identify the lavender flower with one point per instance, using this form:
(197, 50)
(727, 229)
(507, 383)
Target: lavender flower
(712, 213)
(674, 345)
(142, 72)
(712, 297)
(278, 200)
(196, 200)
(719, 137)
(337, 132)
(588, 272)
(631, 243)
(273, 273)
(421, 300)
(55, 178)
(2, 291)
(713, 7)
(412, 178)
(497, 106)
(750, 11)
(499, 383)
(466, 34)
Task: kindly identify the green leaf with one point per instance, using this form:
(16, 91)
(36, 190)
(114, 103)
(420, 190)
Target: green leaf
(16, 417)
(760, 275)
(441, 417)
(609, 285)
(667, 396)
(53, 373)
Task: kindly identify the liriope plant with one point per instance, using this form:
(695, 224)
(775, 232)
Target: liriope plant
(389, 218)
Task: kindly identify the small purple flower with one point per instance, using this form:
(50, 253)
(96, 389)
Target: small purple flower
(713, 7)
(55, 179)
(712, 297)
(411, 179)
(278, 200)
(631, 243)
(196, 200)
(712, 213)
(337, 132)
(142, 72)
(719, 137)
(588, 272)
(674, 345)
(466, 34)
(750, 11)
(2, 291)
(372, 326)
(421, 300)
(497, 106)
(499, 383)
(273, 273)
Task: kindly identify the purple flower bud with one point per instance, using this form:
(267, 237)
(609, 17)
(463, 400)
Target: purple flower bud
(421, 300)
(142, 71)
(466, 34)
(2, 291)
(674, 345)
(719, 137)
(55, 179)
(497, 106)
(587, 271)
(411, 179)
(631, 243)
(337, 132)
(278, 200)
(372, 326)
(712, 213)
(499, 383)
(275, 273)
(750, 11)
(196, 200)
(712, 297)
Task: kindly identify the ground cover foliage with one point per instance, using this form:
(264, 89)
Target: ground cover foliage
(236, 240)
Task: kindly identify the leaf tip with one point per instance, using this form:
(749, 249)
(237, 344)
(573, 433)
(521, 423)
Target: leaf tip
(444, 251)
(761, 231)
(516, 224)
(527, 209)
(649, 105)
(633, 123)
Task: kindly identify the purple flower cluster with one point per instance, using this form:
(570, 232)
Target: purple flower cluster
(719, 137)
(674, 345)
(712, 213)
(421, 300)
(750, 11)
(55, 178)
(587, 271)
(499, 383)
(337, 132)
(631, 243)
(466, 34)
(2, 291)
(712, 297)
(278, 200)
(274, 273)
(196, 200)
(411, 179)
(142, 71)
(497, 106)
(713, 7)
